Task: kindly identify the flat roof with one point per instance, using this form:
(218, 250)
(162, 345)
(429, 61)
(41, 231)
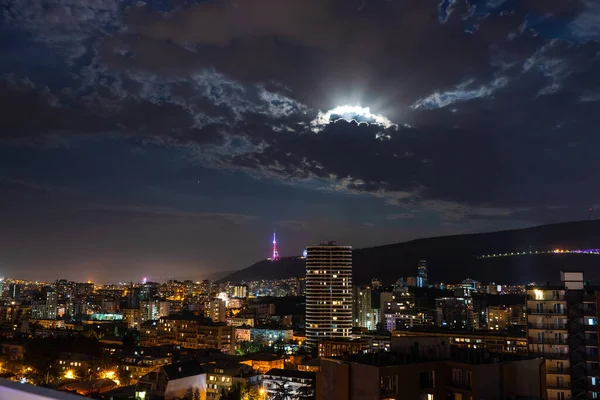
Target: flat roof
(23, 391)
(261, 357)
(458, 355)
(290, 373)
(451, 332)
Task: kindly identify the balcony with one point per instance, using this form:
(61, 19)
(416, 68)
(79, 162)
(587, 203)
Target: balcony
(547, 327)
(534, 311)
(591, 342)
(549, 355)
(558, 371)
(462, 385)
(558, 385)
(551, 341)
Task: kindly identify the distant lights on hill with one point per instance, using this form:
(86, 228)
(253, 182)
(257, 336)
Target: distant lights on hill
(555, 251)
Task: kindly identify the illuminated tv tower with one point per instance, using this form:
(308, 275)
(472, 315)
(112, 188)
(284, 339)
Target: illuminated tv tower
(275, 252)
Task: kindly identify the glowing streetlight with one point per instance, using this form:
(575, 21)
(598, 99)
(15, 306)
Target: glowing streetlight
(112, 375)
(69, 374)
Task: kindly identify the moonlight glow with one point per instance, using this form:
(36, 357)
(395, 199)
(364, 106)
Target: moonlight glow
(349, 113)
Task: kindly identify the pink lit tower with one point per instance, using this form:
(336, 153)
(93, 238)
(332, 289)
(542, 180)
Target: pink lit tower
(275, 252)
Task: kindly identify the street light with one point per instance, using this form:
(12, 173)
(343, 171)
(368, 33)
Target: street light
(262, 393)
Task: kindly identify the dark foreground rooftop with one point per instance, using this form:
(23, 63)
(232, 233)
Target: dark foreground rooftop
(460, 355)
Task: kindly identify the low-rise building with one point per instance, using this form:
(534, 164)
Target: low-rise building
(262, 362)
(497, 318)
(223, 375)
(174, 381)
(240, 321)
(438, 372)
(75, 365)
(493, 341)
(269, 336)
(285, 383)
(190, 333)
(312, 365)
(48, 323)
(339, 347)
(13, 351)
(137, 365)
(132, 317)
(243, 334)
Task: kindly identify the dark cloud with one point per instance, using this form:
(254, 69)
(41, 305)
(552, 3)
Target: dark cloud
(171, 214)
(478, 110)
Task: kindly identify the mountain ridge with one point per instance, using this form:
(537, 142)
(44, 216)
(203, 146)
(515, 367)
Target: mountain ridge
(454, 257)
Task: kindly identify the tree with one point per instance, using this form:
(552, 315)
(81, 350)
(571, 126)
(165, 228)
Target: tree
(305, 393)
(278, 347)
(250, 392)
(124, 377)
(131, 338)
(282, 391)
(91, 333)
(234, 393)
(246, 347)
(240, 391)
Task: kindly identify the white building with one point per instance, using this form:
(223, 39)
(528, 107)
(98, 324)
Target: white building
(182, 380)
(288, 384)
(328, 292)
(153, 310)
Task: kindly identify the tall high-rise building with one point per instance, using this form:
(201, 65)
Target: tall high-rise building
(153, 310)
(562, 328)
(456, 313)
(328, 292)
(51, 304)
(148, 290)
(362, 310)
(422, 274)
(14, 291)
(240, 291)
(215, 310)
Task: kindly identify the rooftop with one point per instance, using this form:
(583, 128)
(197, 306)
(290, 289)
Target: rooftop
(261, 357)
(290, 373)
(74, 357)
(459, 355)
(434, 331)
(345, 340)
(14, 390)
(183, 369)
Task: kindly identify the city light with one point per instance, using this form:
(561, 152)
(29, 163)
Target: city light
(534, 252)
(112, 375)
(69, 374)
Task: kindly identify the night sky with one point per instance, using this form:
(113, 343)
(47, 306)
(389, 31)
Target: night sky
(168, 139)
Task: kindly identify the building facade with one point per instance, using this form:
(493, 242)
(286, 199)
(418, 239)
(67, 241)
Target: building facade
(562, 328)
(215, 310)
(328, 292)
(189, 333)
(297, 383)
(362, 309)
(498, 318)
(462, 375)
(455, 313)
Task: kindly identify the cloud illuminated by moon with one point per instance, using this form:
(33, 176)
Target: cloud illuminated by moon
(349, 113)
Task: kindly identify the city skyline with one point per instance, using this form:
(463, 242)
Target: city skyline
(135, 143)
